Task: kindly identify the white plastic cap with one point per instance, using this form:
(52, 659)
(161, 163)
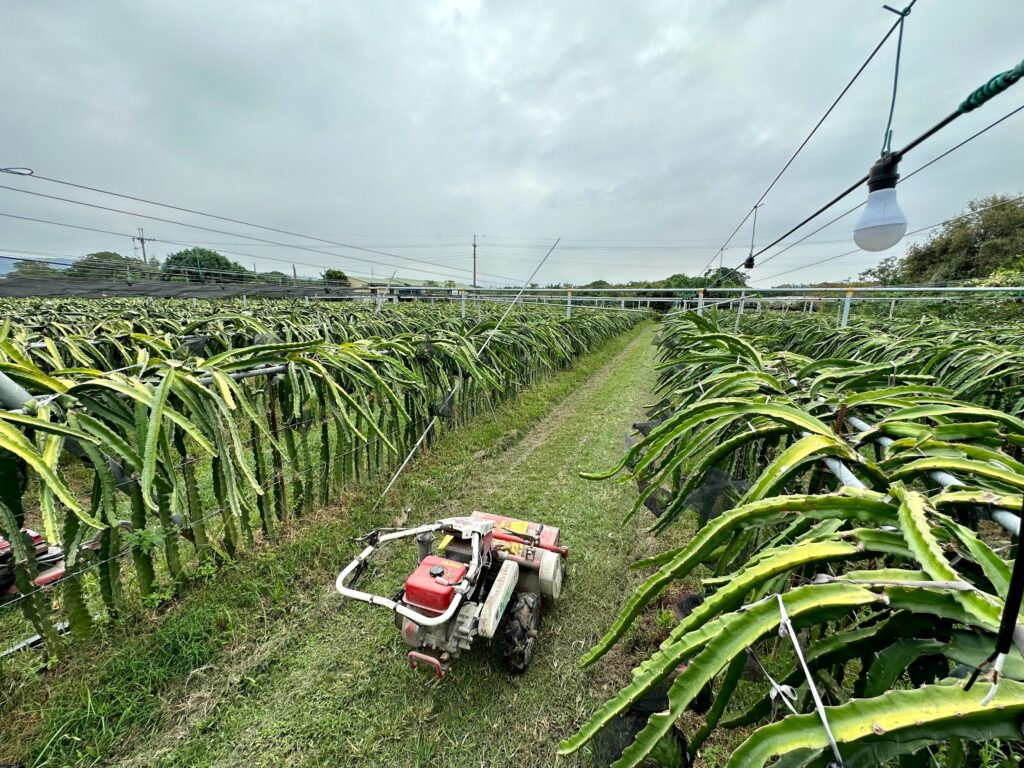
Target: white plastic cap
(882, 224)
(550, 574)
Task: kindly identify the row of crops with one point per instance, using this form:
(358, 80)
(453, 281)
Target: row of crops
(154, 440)
(844, 485)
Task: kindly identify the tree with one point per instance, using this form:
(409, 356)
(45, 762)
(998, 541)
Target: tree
(274, 277)
(203, 264)
(888, 271)
(986, 238)
(336, 276)
(108, 265)
(450, 283)
(725, 277)
(722, 277)
(34, 269)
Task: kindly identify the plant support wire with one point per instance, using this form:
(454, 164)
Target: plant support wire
(478, 354)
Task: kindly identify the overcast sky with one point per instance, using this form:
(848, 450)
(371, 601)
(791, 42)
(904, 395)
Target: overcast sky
(640, 133)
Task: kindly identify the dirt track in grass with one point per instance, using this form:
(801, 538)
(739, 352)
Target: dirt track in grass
(306, 680)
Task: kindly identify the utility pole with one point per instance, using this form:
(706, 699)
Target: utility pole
(474, 261)
(142, 241)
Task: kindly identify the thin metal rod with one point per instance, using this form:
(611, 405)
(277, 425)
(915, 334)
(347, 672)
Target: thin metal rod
(479, 354)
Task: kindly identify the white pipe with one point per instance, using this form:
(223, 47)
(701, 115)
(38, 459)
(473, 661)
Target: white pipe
(1003, 517)
(409, 613)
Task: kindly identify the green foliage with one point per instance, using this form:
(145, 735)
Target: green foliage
(30, 268)
(336, 276)
(987, 239)
(188, 454)
(889, 573)
(108, 265)
(202, 264)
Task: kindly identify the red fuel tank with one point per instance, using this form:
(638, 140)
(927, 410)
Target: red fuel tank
(429, 586)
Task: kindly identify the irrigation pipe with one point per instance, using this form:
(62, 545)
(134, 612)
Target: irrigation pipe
(1003, 517)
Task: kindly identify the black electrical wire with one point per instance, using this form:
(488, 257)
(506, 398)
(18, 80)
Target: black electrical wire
(255, 239)
(814, 130)
(181, 243)
(226, 218)
(141, 272)
(909, 234)
(898, 155)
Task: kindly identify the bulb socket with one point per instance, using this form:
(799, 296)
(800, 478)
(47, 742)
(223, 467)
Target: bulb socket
(883, 174)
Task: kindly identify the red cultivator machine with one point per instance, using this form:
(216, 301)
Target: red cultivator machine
(49, 563)
(489, 577)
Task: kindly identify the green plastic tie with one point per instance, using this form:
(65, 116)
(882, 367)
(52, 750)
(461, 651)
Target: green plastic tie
(993, 87)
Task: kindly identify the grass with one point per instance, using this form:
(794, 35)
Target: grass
(265, 665)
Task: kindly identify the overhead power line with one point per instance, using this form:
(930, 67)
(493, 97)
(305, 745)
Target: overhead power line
(913, 173)
(950, 220)
(50, 222)
(232, 220)
(896, 25)
(179, 243)
(241, 235)
(966, 106)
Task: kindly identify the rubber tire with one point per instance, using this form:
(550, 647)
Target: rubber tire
(522, 620)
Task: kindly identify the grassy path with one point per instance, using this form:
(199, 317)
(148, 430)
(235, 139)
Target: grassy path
(288, 675)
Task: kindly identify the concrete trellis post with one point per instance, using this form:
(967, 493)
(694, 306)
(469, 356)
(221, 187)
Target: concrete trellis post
(568, 305)
(892, 308)
(463, 303)
(846, 309)
(739, 311)
(700, 301)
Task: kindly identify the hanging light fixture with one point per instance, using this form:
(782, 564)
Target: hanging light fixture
(882, 224)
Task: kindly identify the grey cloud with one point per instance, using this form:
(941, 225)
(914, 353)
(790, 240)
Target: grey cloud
(653, 123)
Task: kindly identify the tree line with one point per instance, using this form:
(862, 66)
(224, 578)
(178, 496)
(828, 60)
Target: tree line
(983, 246)
(188, 265)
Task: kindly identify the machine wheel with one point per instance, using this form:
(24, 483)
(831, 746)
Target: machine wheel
(520, 637)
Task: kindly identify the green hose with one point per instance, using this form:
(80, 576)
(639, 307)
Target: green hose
(993, 87)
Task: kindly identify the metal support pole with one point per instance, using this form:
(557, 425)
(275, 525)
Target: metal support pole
(846, 310)
(739, 311)
(12, 395)
(700, 301)
(568, 305)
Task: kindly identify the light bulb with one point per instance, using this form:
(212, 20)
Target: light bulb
(882, 224)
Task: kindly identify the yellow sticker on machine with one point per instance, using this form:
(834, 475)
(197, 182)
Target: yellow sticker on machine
(512, 547)
(515, 526)
(444, 544)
